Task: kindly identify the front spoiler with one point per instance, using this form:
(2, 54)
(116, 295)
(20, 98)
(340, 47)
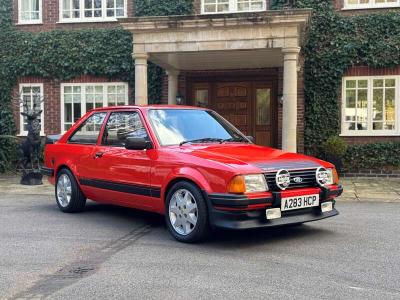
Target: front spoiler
(234, 211)
(257, 218)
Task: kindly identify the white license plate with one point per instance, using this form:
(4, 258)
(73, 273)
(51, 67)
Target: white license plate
(299, 202)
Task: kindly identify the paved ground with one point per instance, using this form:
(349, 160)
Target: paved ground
(109, 252)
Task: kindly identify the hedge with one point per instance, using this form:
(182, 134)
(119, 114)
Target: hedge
(372, 156)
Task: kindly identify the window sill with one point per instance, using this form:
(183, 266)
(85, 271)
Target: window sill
(371, 7)
(369, 134)
(88, 21)
(233, 12)
(42, 134)
(29, 23)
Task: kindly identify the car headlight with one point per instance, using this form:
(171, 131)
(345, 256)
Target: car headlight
(326, 176)
(248, 184)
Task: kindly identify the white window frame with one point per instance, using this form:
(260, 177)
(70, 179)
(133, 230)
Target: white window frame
(370, 131)
(372, 4)
(27, 22)
(83, 86)
(82, 18)
(23, 132)
(232, 8)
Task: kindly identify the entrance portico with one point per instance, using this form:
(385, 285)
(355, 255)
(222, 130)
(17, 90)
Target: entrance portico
(222, 42)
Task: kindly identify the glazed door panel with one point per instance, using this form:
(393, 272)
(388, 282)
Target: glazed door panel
(263, 115)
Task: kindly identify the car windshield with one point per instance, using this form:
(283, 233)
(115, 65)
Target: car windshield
(180, 126)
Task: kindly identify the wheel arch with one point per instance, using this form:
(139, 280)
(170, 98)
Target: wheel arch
(186, 174)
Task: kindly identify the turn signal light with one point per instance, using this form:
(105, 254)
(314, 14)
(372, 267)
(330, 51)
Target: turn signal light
(237, 185)
(335, 176)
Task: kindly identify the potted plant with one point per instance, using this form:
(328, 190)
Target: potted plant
(335, 148)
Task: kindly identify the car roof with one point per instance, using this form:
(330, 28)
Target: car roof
(148, 107)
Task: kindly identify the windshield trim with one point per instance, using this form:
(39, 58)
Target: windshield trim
(211, 112)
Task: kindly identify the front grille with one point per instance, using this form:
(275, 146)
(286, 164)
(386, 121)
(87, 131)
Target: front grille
(307, 176)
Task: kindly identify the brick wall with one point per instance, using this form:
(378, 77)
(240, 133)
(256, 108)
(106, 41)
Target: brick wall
(367, 71)
(50, 18)
(52, 99)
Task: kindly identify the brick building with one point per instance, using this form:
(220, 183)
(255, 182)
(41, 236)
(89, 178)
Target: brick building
(238, 57)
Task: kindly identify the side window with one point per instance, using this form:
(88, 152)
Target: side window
(89, 131)
(121, 125)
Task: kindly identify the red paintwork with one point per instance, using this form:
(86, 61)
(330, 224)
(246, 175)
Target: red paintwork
(210, 166)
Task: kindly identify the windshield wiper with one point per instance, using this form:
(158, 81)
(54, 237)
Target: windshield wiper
(203, 140)
(235, 139)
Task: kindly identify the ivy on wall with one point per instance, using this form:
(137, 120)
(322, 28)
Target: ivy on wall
(336, 42)
(65, 54)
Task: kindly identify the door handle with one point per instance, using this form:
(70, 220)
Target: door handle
(99, 155)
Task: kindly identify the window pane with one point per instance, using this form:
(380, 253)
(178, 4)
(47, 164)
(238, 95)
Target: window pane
(263, 111)
(350, 84)
(390, 82)
(120, 12)
(390, 105)
(351, 99)
(32, 99)
(362, 83)
(378, 104)
(66, 4)
(88, 4)
(120, 3)
(121, 126)
(35, 5)
(209, 8)
(88, 133)
(201, 97)
(25, 5)
(67, 113)
(77, 111)
(378, 82)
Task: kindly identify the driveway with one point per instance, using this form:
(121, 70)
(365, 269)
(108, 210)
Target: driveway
(110, 252)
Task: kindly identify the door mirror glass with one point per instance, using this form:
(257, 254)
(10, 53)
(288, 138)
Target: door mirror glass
(133, 143)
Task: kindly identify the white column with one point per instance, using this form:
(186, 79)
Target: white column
(172, 86)
(141, 96)
(289, 111)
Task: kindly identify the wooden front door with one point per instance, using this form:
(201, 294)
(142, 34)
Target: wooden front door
(248, 105)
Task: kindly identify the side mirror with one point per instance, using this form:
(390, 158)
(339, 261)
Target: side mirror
(133, 143)
(251, 138)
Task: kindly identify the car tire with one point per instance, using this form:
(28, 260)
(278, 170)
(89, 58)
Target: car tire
(192, 207)
(69, 196)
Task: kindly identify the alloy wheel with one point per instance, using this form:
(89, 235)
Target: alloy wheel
(64, 190)
(183, 212)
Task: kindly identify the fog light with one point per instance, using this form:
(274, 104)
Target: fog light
(273, 213)
(326, 206)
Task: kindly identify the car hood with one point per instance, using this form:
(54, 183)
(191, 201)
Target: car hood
(242, 155)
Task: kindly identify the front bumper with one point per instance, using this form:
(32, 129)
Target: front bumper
(236, 211)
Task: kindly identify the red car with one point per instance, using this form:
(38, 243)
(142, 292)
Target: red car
(190, 165)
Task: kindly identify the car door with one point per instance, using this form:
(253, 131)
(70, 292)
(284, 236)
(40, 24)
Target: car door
(119, 175)
(82, 144)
